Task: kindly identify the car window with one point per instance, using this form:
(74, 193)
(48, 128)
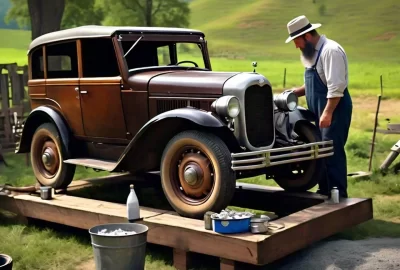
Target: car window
(160, 53)
(98, 58)
(62, 60)
(189, 52)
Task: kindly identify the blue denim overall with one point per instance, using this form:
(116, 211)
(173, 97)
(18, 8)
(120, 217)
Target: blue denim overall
(316, 95)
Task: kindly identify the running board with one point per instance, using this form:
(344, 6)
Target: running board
(104, 165)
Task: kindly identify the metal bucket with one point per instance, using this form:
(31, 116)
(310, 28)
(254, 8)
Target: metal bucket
(119, 251)
(6, 262)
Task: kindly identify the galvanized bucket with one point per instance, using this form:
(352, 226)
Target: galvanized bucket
(6, 262)
(119, 251)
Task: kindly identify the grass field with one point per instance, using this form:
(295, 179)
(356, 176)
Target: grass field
(255, 30)
(364, 77)
(385, 191)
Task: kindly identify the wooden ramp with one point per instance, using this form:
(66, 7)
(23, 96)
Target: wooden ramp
(298, 228)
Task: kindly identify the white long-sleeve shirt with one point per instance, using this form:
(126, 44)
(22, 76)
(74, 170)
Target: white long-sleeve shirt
(332, 66)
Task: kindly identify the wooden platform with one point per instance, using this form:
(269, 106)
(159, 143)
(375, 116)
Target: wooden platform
(296, 229)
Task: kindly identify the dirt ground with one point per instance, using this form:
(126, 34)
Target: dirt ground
(368, 254)
(388, 107)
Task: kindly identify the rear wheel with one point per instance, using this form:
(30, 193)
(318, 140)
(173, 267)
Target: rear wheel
(303, 175)
(196, 174)
(47, 158)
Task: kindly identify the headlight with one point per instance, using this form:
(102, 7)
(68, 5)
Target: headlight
(286, 101)
(226, 106)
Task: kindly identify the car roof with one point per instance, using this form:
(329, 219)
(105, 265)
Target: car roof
(92, 31)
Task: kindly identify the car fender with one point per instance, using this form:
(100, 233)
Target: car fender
(285, 122)
(38, 116)
(145, 153)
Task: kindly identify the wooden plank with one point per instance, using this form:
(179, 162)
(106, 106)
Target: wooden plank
(388, 131)
(170, 230)
(394, 127)
(187, 234)
(76, 212)
(8, 203)
(16, 84)
(313, 224)
(4, 94)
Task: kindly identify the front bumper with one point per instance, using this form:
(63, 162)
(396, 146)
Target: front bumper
(283, 155)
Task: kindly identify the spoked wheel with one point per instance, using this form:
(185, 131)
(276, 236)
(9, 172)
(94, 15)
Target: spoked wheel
(47, 158)
(196, 174)
(304, 175)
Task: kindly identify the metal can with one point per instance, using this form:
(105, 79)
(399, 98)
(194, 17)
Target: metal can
(207, 220)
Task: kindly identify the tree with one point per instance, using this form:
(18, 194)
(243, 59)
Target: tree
(45, 17)
(172, 13)
(53, 15)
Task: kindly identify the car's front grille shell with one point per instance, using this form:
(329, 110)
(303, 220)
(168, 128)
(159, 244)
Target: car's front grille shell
(259, 115)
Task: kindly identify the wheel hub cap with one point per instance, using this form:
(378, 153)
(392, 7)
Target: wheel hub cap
(195, 175)
(192, 174)
(47, 158)
(50, 160)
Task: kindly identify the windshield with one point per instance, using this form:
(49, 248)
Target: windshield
(144, 53)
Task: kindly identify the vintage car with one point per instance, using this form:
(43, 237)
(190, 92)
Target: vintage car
(145, 99)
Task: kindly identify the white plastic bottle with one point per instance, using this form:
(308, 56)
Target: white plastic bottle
(335, 195)
(132, 204)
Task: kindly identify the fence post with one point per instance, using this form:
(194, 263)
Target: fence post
(5, 105)
(284, 78)
(17, 84)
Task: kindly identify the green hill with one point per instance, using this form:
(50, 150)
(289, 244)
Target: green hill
(368, 29)
(15, 39)
(255, 30)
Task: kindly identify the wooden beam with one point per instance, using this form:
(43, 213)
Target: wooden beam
(227, 264)
(181, 259)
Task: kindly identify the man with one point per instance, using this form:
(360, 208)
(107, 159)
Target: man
(327, 96)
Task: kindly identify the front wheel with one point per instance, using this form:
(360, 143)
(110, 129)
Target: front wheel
(47, 158)
(196, 175)
(303, 175)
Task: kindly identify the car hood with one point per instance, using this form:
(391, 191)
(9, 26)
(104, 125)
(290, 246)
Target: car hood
(181, 82)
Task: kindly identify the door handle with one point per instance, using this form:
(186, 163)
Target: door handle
(82, 92)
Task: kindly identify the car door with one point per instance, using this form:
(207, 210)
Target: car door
(100, 90)
(63, 81)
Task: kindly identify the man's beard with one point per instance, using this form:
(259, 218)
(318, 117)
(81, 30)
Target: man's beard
(309, 50)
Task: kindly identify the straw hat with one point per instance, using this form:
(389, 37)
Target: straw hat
(299, 26)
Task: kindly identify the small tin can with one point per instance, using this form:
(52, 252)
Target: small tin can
(46, 193)
(207, 220)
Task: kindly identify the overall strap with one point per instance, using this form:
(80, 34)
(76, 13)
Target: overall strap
(319, 53)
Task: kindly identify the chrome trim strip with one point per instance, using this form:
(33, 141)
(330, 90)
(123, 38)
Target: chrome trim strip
(265, 159)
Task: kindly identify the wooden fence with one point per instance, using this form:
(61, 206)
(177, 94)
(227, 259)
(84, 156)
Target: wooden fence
(14, 104)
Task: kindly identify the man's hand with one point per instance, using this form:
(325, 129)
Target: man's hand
(325, 119)
(300, 91)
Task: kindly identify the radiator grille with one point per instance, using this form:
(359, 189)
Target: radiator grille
(259, 115)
